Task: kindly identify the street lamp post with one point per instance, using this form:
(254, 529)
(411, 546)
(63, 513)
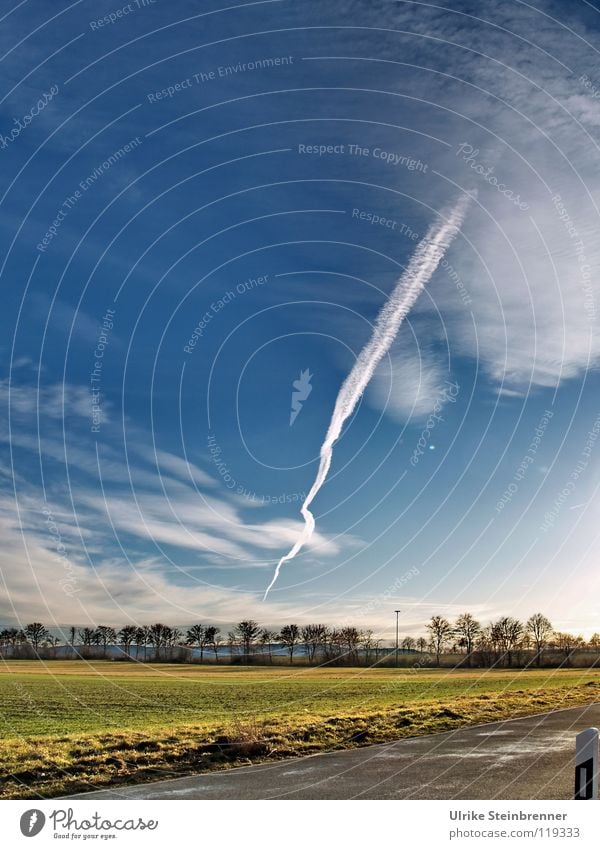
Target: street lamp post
(397, 612)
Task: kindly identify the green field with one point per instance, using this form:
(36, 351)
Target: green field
(68, 724)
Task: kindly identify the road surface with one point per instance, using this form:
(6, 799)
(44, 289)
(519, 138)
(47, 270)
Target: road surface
(530, 758)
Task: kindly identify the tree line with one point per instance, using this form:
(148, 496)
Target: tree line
(507, 641)
(247, 640)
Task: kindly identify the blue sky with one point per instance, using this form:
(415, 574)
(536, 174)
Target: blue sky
(259, 175)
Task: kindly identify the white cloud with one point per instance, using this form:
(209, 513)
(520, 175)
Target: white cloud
(41, 583)
(409, 383)
(157, 502)
(181, 468)
(55, 401)
(510, 88)
(209, 525)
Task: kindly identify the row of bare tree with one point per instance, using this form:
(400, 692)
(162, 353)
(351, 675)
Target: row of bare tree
(507, 641)
(246, 641)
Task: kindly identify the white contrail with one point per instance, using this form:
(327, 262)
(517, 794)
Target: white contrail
(417, 274)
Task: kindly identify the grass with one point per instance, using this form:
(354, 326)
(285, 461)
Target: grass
(66, 726)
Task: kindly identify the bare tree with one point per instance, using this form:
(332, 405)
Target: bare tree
(539, 629)
(507, 633)
(213, 639)
(72, 633)
(485, 647)
(290, 637)
(247, 633)
(267, 638)
(467, 628)
(368, 643)
(314, 638)
(408, 644)
(232, 642)
(334, 647)
(142, 640)
(174, 639)
(86, 638)
(350, 638)
(12, 637)
(159, 636)
(421, 644)
(377, 646)
(567, 643)
(196, 636)
(52, 642)
(105, 635)
(126, 637)
(441, 631)
(35, 633)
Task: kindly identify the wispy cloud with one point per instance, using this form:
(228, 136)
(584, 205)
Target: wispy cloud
(122, 526)
(506, 81)
(408, 385)
(52, 401)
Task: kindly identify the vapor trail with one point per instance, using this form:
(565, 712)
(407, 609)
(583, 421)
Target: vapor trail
(411, 283)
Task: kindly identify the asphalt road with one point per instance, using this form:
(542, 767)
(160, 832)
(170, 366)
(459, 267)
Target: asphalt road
(531, 758)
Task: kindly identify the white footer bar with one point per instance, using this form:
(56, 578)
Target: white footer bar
(298, 824)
